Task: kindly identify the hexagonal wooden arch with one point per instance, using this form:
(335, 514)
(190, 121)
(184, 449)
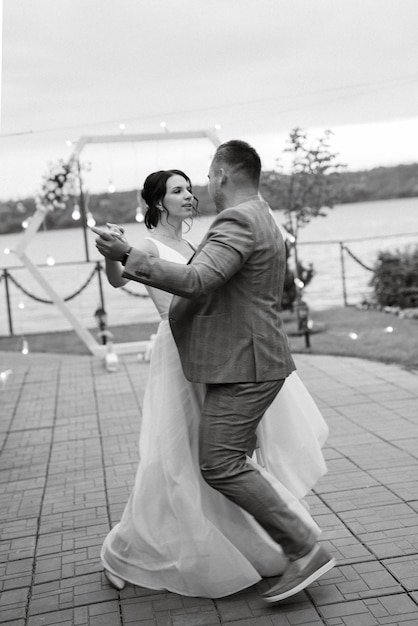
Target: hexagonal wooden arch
(20, 250)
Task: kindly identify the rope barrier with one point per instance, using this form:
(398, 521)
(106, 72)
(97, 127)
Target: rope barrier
(42, 300)
(320, 242)
(357, 260)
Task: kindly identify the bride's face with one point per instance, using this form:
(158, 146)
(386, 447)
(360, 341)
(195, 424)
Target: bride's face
(178, 200)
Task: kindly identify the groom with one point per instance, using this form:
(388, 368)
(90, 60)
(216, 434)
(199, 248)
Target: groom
(225, 319)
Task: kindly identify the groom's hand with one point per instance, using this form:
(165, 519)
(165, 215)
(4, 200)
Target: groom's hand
(110, 246)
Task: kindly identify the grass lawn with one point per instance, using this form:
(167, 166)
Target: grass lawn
(68, 342)
(331, 335)
(374, 341)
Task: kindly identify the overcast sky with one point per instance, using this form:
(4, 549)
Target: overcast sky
(257, 68)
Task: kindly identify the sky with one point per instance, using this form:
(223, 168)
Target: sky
(254, 69)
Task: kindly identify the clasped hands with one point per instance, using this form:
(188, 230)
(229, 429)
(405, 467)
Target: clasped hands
(111, 242)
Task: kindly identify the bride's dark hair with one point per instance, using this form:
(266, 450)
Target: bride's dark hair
(153, 192)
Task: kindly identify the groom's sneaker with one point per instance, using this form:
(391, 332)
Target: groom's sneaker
(300, 574)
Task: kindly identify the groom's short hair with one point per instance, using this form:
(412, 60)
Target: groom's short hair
(241, 158)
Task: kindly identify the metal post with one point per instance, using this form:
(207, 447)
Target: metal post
(83, 212)
(99, 274)
(343, 272)
(9, 308)
(302, 312)
(100, 313)
(298, 293)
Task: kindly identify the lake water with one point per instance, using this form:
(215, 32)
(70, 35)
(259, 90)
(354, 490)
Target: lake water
(366, 228)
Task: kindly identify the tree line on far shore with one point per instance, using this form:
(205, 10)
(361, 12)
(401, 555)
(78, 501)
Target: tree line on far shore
(381, 183)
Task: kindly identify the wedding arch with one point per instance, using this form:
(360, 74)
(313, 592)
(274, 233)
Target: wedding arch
(20, 250)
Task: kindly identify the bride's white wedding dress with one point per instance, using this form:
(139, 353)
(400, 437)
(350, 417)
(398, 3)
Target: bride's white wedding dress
(176, 532)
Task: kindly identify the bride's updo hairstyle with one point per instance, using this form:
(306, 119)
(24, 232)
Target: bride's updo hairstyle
(153, 193)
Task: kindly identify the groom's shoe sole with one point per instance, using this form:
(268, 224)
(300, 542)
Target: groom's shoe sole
(293, 581)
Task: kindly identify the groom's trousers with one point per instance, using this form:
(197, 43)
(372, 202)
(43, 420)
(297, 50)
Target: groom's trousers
(230, 416)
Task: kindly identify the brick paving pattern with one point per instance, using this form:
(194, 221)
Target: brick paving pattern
(68, 435)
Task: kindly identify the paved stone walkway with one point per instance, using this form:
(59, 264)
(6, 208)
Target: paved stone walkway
(69, 435)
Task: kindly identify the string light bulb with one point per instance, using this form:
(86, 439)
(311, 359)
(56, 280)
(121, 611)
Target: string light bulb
(353, 336)
(25, 224)
(90, 220)
(163, 125)
(139, 213)
(25, 347)
(6, 251)
(50, 260)
(111, 187)
(122, 128)
(21, 305)
(5, 375)
(76, 212)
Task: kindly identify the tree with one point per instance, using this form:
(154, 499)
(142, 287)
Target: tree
(308, 187)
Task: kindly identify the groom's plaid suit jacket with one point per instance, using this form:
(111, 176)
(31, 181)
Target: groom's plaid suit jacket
(225, 316)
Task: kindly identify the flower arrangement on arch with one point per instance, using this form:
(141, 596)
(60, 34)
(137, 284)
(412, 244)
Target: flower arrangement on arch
(58, 185)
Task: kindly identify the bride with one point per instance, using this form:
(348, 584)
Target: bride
(176, 532)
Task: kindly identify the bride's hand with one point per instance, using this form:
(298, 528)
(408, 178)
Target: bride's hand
(117, 231)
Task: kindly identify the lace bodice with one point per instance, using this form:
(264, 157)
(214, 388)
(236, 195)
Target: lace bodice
(162, 299)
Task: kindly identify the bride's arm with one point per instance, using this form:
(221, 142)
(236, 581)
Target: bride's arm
(114, 273)
(114, 269)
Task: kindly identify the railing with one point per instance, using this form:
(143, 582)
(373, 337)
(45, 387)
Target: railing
(341, 278)
(348, 278)
(15, 290)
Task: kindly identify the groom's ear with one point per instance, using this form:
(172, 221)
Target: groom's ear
(222, 176)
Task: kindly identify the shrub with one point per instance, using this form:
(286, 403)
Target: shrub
(395, 278)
